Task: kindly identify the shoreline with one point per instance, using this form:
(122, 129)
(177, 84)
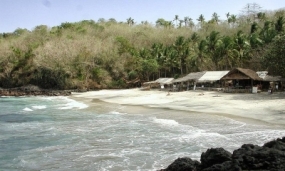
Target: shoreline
(263, 107)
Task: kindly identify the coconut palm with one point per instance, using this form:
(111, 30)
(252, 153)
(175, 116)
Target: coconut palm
(201, 19)
(215, 17)
(279, 24)
(176, 19)
(242, 45)
(228, 53)
(130, 21)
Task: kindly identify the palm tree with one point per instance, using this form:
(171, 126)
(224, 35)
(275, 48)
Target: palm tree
(227, 15)
(176, 18)
(130, 21)
(215, 17)
(232, 19)
(186, 21)
(213, 41)
(242, 45)
(254, 27)
(191, 23)
(182, 47)
(201, 19)
(200, 56)
(261, 16)
(279, 24)
(180, 23)
(268, 32)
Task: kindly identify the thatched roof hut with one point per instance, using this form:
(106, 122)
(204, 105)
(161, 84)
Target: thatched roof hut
(193, 76)
(268, 78)
(241, 74)
(160, 81)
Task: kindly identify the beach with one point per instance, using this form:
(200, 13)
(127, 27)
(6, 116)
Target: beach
(262, 106)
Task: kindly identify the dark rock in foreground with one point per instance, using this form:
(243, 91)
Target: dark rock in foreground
(31, 90)
(269, 157)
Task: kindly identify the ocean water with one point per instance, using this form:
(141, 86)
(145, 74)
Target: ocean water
(59, 133)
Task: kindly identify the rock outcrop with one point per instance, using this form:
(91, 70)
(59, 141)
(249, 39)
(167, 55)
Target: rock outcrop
(31, 90)
(269, 157)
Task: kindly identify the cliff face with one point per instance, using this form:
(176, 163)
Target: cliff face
(269, 157)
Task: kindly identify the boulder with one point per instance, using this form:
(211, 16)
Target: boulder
(214, 156)
(269, 157)
(183, 164)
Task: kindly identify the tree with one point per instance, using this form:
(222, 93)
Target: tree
(279, 24)
(201, 19)
(215, 17)
(261, 16)
(130, 21)
(200, 56)
(268, 32)
(213, 41)
(186, 21)
(160, 22)
(181, 45)
(112, 20)
(251, 10)
(274, 58)
(176, 19)
(232, 19)
(228, 53)
(242, 45)
(228, 14)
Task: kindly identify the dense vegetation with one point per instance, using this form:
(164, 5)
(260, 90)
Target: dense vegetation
(111, 54)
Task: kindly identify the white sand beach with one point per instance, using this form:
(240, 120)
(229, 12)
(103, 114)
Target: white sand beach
(262, 106)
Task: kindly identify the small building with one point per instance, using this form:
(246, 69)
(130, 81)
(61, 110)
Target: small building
(240, 80)
(162, 83)
(184, 83)
(211, 80)
(269, 81)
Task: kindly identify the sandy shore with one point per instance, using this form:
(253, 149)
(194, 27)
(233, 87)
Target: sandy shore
(262, 106)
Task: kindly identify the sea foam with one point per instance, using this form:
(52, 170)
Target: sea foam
(168, 122)
(27, 109)
(72, 104)
(39, 107)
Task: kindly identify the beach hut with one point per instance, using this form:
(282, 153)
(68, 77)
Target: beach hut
(184, 82)
(211, 80)
(269, 81)
(241, 80)
(159, 83)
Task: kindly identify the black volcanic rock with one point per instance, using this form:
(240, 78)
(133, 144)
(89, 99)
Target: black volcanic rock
(214, 156)
(269, 157)
(32, 90)
(183, 164)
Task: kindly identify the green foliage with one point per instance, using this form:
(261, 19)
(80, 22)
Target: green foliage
(274, 58)
(118, 84)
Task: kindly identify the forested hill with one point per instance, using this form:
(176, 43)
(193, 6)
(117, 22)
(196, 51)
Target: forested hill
(111, 54)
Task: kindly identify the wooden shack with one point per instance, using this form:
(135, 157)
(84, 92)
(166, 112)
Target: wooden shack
(240, 80)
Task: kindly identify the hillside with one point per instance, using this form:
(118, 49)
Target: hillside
(110, 54)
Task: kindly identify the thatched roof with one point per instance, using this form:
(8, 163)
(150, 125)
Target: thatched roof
(160, 81)
(241, 74)
(193, 76)
(264, 75)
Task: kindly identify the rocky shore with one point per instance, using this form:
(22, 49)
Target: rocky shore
(31, 90)
(269, 157)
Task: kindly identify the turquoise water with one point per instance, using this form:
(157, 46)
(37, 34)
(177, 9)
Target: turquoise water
(58, 133)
